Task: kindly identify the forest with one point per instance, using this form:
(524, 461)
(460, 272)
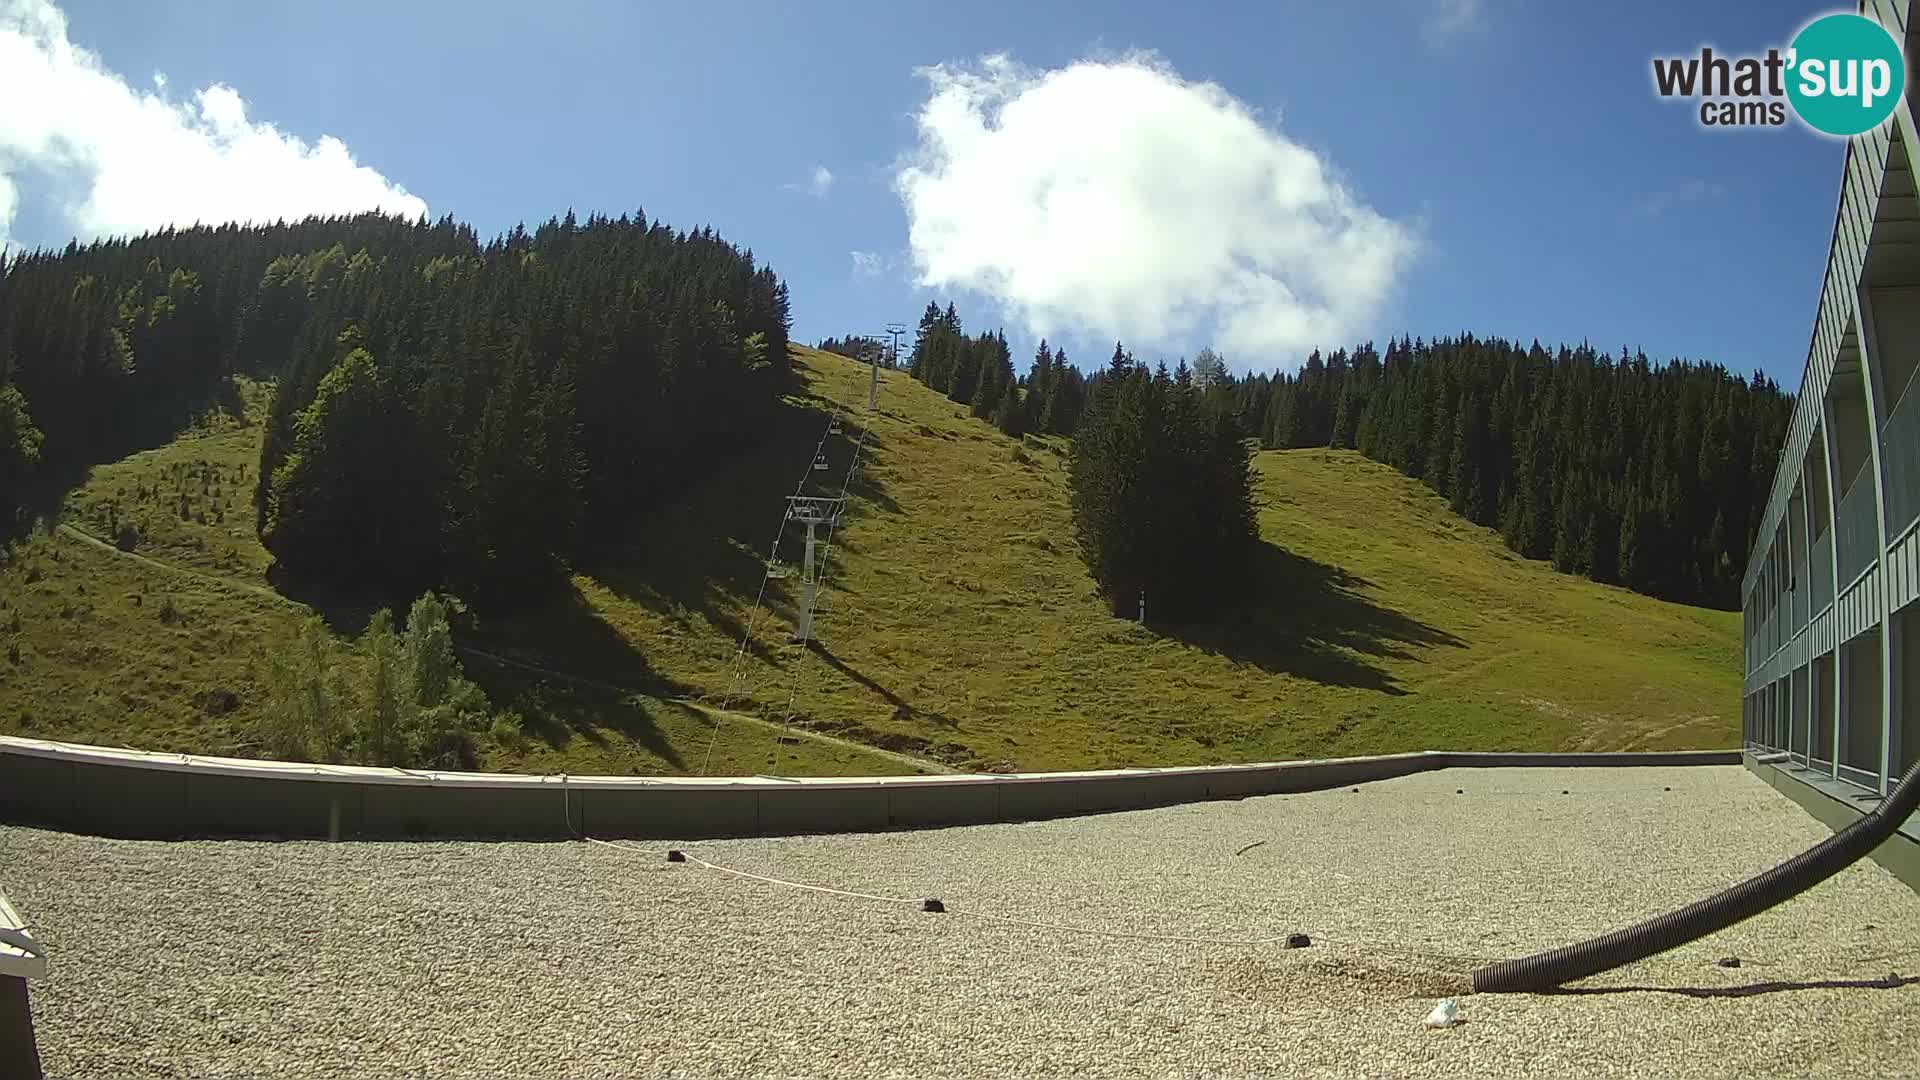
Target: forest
(1161, 488)
(448, 414)
(1649, 476)
(978, 372)
(1617, 469)
(466, 415)
(1162, 482)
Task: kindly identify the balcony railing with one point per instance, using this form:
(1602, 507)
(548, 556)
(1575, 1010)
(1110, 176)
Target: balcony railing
(1900, 452)
(1820, 573)
(1859, 531)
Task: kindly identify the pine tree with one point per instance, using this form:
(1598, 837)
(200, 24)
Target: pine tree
(19, 455)
(1066, 398)
(1039, 388)
(1010, 415)
(1161, 492)
(384, 719)
(986, 391)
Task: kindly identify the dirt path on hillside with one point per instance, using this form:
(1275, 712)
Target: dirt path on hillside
(720, 715)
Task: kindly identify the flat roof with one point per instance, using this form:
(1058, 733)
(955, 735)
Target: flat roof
(1126, 944)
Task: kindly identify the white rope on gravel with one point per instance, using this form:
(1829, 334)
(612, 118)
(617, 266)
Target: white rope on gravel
(920, 901)
(666, 854)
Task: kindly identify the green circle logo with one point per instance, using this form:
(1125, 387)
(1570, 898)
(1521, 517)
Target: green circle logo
(1845, 74)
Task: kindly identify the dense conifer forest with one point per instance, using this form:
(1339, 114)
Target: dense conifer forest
(448, 413)
(460, 414)
(1162, 492)
(978, 372)
(1618, 469)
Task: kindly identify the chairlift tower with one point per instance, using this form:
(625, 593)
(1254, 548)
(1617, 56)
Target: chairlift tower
(894, 330)
(811, 511)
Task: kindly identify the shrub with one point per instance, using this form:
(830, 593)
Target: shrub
(508, 733)
(305, 712)
(380, 728)
(420, 709)
(169, 614)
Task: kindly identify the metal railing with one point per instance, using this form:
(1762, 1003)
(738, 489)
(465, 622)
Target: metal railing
(1900, 452)
(1820, 573)
(1859, 539)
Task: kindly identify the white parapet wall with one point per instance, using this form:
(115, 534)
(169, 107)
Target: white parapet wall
(116, 792)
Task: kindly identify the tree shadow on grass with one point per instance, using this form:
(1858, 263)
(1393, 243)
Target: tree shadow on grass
(704, 555)
(558, 711)
(1307, 618)
(865, 488)
(345, 608)
(561, 632)
(567, 672)
(902, 709)
(116, 435)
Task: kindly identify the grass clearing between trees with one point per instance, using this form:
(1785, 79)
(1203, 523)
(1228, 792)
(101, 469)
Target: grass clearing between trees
(958, 623)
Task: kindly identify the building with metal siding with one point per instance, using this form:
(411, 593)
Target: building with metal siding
(1831, 628)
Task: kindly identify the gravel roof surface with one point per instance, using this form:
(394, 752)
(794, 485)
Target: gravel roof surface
(377, 959)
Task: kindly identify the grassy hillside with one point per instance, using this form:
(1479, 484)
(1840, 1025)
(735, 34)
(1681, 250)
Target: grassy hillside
(959, 624)
(165, 646)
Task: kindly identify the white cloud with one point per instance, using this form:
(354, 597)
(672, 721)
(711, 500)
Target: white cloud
(819, 182)
(9, 202)
(116, 159)
(867, 264)
(1691, 190)
(1451, 18)
(1115, 198)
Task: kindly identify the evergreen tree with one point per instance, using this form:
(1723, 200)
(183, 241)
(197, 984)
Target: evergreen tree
(383, 719)
(1010, 415)
(606, 349)
(1161, 491)
(1613, 468)
(19, 455)
(986, 392)
(307, 704)
(1039, 387)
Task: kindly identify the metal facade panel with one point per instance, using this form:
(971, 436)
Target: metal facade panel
(1894, 580)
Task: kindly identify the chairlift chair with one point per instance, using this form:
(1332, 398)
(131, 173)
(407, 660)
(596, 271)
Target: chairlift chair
(820, 463)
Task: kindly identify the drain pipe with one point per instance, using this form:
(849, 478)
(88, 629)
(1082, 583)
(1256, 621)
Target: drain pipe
(1544, 971)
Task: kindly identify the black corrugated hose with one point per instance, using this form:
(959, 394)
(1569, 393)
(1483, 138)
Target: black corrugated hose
(1544, 971)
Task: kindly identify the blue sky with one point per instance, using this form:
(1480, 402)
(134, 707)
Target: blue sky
(1500, 167)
